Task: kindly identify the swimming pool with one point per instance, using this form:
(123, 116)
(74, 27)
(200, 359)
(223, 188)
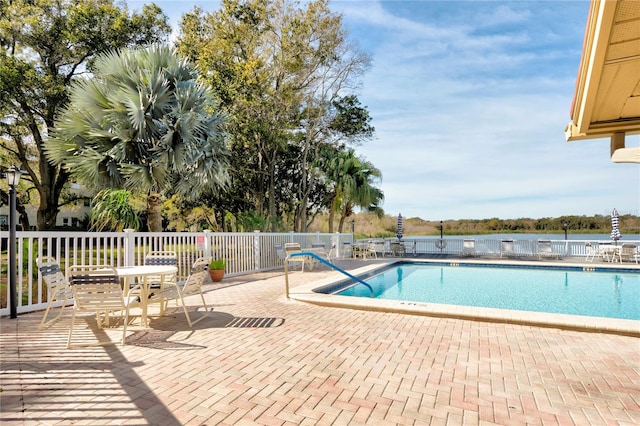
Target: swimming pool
(572, 291)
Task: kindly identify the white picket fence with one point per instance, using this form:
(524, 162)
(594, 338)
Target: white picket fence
(244, 253)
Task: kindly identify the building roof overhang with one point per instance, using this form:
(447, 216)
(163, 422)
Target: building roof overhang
(606, 102)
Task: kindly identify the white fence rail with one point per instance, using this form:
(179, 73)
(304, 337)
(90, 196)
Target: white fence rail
(244, 253)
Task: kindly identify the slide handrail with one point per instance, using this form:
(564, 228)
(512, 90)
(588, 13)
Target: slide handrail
(325, 262)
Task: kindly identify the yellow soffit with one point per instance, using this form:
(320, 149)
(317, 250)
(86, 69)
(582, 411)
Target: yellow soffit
(607, 95)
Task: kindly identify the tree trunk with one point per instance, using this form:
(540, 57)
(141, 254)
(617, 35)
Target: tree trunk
(154, 212)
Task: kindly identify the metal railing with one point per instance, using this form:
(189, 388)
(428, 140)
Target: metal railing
(324, 262)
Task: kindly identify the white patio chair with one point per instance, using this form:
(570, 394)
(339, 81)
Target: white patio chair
(320, 250)
(161, 258)
(628, 252)
(153, 282)
(97, 289)
(592, 251)
(178, 291)
(374, 247)
(397, 249)
(347, 250)
(58, 288)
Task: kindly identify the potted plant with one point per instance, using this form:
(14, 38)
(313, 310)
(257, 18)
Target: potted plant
(216, 269)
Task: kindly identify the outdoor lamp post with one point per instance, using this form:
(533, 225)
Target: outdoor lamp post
(353, 226)
(440, 229)
(13, 177)
(565, 226)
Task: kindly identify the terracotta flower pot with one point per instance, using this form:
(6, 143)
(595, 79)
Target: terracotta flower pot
(216, 275)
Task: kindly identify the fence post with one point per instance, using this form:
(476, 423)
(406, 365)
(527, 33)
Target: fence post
(256, 249)
(207, 244)
(336, 242)
(129, 247)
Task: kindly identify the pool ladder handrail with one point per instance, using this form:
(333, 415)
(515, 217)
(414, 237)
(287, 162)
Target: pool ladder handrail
(323, 261)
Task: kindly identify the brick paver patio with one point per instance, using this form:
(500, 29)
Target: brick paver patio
(262, 360)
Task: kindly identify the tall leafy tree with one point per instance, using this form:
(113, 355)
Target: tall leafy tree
(45, 45)
(143, 123)
(278, 68)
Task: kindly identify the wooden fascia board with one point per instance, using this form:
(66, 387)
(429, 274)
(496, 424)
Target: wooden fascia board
(602, 16)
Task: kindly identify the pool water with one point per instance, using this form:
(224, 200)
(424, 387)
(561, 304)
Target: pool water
(565, 291)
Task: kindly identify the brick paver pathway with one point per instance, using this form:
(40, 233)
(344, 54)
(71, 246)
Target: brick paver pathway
(263, 360)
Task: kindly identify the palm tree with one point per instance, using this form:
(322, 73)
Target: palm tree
(353, 184)
(142, 122)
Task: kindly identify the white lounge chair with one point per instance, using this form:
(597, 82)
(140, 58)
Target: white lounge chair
(628, 252)
(545, 249)
(506, 248)
(469, 247)
(292, 248)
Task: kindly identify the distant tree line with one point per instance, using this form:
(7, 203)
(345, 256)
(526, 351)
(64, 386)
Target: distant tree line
(367, 225)
(597, 224)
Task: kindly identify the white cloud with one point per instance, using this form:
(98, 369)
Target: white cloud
(469, 100)
(470, 111)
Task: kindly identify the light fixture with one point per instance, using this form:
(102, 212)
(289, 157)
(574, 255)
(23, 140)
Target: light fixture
(13, 178)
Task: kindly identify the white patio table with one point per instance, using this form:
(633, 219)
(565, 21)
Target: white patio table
(142, 273)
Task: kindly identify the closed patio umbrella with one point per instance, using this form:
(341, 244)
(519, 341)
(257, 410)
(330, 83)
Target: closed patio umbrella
(399, 232)
(615, 232)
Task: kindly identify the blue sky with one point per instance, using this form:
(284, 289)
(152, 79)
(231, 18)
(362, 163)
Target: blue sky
(470, 100)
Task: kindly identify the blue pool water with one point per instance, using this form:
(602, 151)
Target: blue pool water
(566, 291)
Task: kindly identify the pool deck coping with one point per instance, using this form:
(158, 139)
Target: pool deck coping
(306, 293)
